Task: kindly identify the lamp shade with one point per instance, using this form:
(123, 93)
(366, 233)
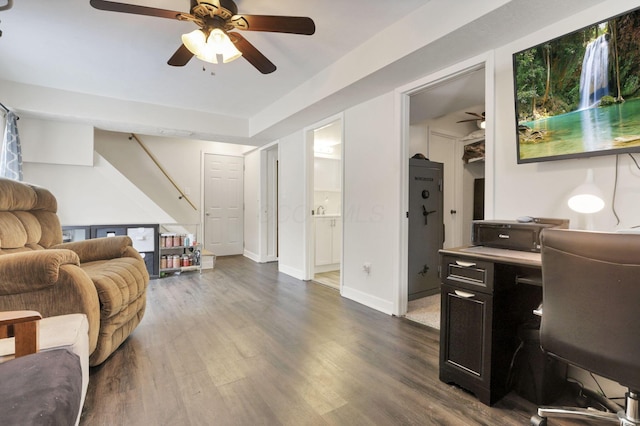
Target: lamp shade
(222, 45)
(586, 198)
(194, 41)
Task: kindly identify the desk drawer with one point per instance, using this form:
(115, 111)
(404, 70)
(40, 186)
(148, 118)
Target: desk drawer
(468, 273)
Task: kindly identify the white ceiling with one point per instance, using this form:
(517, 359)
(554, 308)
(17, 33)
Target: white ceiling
(67, 44)
(361, 49)
(452, 95)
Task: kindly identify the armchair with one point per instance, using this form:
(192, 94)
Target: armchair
(104, 278)
(591, 289)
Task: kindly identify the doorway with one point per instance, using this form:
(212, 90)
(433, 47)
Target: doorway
(326, 199)
(439, 128)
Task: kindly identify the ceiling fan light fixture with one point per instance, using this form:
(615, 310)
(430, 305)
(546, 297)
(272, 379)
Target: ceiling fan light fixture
(209, 48)
(221, 44)
(195, 41)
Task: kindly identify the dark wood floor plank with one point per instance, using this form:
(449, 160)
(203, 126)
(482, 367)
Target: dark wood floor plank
(243, 344)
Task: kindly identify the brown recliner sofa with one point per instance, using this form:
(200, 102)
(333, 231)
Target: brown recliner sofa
(103, 278)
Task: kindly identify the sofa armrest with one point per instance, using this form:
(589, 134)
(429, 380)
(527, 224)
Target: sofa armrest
(24, 326)
(100, 248)
(29, 271)
(16, 317)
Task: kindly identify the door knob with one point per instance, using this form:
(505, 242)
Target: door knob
(453, 212)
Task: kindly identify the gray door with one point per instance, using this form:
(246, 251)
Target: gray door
(426, 231)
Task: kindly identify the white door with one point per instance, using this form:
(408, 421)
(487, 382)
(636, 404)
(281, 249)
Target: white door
(223, 203)
(442, 149)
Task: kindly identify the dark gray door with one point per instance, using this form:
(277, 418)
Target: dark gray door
(425, 227)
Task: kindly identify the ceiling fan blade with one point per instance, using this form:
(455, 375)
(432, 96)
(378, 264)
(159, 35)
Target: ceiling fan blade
(113, 6)
(251, 54)
(276, 24)
(181, 57)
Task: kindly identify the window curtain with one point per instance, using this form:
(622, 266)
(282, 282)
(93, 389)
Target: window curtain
(11, 154)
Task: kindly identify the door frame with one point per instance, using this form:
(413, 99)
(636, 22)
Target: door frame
(308, 235)
(402, 107)
(268, 205)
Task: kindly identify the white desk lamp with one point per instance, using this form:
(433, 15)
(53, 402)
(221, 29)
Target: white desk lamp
(587, 198)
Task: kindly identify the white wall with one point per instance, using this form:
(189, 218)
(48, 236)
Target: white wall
(542, 189)
(126, 187)
(291, 211)
(59, 156)
(118, 115)
(371, 212)
(94, 195)
(181, 159)
(55, 142)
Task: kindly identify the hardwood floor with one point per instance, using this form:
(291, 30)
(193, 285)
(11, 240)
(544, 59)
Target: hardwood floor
(332, 279)
(245, 345)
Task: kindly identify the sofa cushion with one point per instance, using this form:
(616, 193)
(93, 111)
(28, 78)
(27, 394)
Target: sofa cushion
(119, 281)
(28, 219)
(16, 197)
(41, 388)
(12, 231)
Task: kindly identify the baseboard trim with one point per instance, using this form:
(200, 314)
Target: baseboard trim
(295, 273)
(372, 302)
(252, 256)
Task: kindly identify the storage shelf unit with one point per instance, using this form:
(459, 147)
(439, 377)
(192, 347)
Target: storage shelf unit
(179, 249)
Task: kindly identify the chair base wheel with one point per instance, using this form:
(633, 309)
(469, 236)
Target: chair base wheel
(536, 420)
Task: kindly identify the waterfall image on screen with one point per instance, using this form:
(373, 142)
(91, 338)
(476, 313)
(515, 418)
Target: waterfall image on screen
(594, 78)
(579, 94)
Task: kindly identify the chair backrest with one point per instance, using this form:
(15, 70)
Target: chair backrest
(591, 302)
(28, 219)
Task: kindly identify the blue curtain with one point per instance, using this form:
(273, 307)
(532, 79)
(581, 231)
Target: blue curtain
(11, 154)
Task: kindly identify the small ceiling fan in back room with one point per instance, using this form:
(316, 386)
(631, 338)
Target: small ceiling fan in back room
(216, 39)
(478, 118)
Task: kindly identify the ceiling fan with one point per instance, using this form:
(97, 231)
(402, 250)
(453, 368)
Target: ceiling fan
(475, 114)
(217, 20)
(478, 118)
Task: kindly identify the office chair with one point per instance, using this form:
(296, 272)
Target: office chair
(590, 315)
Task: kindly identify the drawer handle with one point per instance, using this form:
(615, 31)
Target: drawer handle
(464, 294)
(503, 236)
(465, 264)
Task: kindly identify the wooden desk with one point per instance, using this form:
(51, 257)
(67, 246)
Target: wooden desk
(487, 294)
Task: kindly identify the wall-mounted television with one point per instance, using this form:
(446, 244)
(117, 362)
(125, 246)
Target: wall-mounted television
(578, 95)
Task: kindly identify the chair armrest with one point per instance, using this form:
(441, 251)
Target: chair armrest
(24, 326)
(29, 271)
(99, 248)
(17, 317)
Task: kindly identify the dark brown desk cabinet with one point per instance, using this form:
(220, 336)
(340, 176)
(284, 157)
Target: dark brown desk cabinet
(481, 308)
